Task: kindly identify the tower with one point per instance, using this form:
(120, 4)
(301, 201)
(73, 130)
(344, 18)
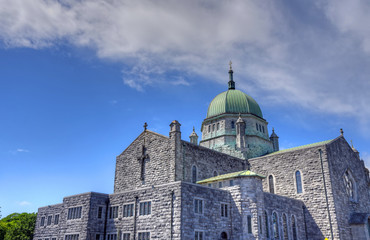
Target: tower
(194, 137)
(235, 124)
(275, 140)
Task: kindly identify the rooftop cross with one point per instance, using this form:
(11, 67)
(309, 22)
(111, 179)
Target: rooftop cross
(230, 64)
(145, 126)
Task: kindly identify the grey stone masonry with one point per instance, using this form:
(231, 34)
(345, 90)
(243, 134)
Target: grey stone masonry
(322, 168)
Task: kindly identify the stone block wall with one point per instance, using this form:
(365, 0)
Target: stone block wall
(342, 158)
(158, 165)
(282, 166)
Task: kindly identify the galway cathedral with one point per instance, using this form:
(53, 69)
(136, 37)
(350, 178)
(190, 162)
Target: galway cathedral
(234, 183)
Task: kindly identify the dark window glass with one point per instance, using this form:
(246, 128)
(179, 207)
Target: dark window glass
(298, 180)
(260, 224)
(198, 206)
(74, 213)
(198, 235)
(249, 221)
(224, 210)
(113, 212)
(71, 237)
(275, 225)
(215, 174)
(220, 184)
(143, 235)
(49, 220)
(128, 210)
(294, 228)
(271, 184)
(145, 208)
(100, 212)
(42, 222)
(218, 126)
(56, 219)
(97, 237)
(285, 228)
(126, 236)
(257, 126)
(112, 236)
(231, 182)
(232, 124)
(194, 174)
(267, 225)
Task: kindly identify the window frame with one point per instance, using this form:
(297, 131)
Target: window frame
(197, 234)
(273, 184)
(200, 209)
(110, 215)
(149, 208)
(296, 181)
(225, 209)
(132, 210)
(76, 218)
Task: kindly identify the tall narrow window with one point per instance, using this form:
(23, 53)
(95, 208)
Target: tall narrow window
(224, 211)
(275, 225)
(198, 235)
(257, 126)
(56, 219)
(232, 124)
(100, 212)
(350, 185)
(218, 126)
(209, 128)
(298, 181)
(260, 224)
(271, 184)
(215, 173)
(194, 174)
(198, 206)
(249, 222)
(267, 225)
(42, 222)
(294, 228)
(285, 228)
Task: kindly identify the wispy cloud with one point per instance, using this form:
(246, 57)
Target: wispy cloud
(22, 150)
(24, 203)
(310, 54)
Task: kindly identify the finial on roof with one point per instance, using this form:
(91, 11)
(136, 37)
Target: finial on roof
(273, 130)
(145, 126)
(193, 129)
(351, 143)
(231, 80)
(341, 131)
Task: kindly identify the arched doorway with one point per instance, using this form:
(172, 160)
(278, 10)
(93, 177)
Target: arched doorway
(223, 235)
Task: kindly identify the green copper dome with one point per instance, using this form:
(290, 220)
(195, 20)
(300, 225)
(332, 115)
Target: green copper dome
(233, 101)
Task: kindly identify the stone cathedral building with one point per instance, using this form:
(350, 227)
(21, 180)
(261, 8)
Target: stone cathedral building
(233, 184)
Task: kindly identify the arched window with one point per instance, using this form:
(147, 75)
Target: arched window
(294, 228)
(215, 173)
(285, 228)
(267, 225)
(232, 124)
(209, 128)
(350, 185)
(257, 126)
(194, 174)
(213, 127)
(271, 184)
(223, 235)
(298, 181)
(275, 225)
(218, 126)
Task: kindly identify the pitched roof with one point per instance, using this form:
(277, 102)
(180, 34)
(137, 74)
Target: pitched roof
(302, 147)
(245, 173)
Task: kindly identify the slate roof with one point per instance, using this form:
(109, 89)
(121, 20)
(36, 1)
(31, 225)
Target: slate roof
(245, 173)
(301, 147)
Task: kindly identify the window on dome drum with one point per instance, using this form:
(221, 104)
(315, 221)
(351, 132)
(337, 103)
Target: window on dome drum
(271, 184)
(42, 222)
(249, 222)
(71, 237)
(349, 184)
(275, 225)
(49, 220)
(209, 128)
(145, 208)
(100, 212)
(257, 126)
(213, 127)
(128, 210)
(194, 174)
(143, 236)
(232, 124)
(224, 210)
(218, 126)
(294, 228)
(298, 181)
(56, 219)
(198, 235)
(220, 184)
(126, 236)
(113, 212)
(267, 231)
(285, 228)
(74, 213)
(198, 206)
(112, 236)
(263, 129)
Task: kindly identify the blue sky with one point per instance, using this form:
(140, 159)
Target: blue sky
(78, 79)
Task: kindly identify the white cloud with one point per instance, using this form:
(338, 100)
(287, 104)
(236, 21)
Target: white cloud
(366, 157)
(24, 203)
(314, 55)
(22, 150)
